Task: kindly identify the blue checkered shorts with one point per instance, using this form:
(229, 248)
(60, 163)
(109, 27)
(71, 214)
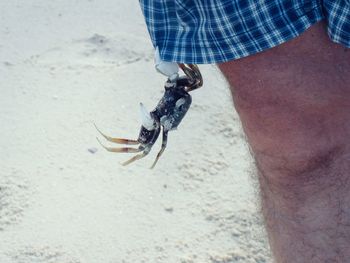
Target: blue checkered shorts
(211, 31)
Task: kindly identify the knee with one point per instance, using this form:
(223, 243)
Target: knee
(290, 139)
(293, 132)
(295, 144)
(294, 141)
(299, 166)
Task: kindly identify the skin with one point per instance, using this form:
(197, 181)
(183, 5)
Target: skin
(294, 104)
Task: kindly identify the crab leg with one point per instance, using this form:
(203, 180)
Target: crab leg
(189, 72)
(198, 74)
(164, 142)
(136, 157)
(192, 71)
(122, 149)
(117, 140)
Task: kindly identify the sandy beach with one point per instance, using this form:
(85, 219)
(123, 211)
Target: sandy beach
(65, 65)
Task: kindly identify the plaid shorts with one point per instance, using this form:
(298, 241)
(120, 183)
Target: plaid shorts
(211, 31)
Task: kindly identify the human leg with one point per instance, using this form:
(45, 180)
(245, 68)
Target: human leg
(294, 104)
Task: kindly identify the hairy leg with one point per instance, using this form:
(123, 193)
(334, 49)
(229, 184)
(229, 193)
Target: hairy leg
(294, 104)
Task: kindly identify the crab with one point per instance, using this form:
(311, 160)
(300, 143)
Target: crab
(166, 116)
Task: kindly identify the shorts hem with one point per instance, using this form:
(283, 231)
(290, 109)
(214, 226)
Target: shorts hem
(216, 55)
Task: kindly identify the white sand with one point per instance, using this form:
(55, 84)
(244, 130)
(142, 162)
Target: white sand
(66, 64)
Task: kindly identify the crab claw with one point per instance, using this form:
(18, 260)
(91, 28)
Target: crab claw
(169, 69)
(146, 118)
